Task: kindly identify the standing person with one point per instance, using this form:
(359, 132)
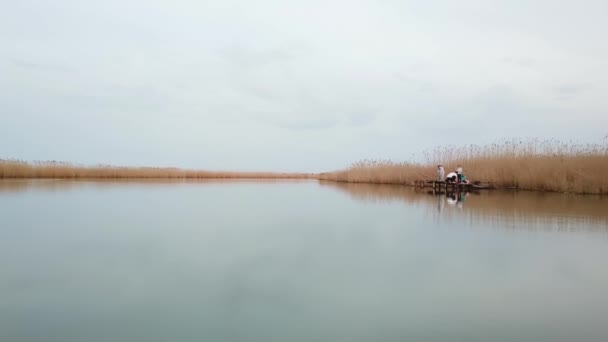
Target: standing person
(459, 173)
(440, 173)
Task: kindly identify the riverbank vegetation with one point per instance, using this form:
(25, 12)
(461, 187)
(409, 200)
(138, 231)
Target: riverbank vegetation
(16, 169)
(531, 165)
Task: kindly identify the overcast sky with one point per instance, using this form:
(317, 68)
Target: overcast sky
(294, 85)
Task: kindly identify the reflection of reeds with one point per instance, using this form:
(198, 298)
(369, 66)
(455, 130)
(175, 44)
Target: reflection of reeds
(513, 209)
(58, 185)
(20, 169)
(532, 164)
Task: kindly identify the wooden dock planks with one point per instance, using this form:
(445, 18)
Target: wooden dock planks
(439, 185)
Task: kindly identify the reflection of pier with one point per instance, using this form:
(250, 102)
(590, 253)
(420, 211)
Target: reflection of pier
(450, 192)
(452, 186)
(512, 209)
(455, 199)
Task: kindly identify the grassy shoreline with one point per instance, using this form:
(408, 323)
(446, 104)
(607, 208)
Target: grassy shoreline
(576, 174)
(532, 165)
(13, 169)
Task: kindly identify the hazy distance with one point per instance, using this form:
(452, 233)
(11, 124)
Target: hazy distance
(294, 85)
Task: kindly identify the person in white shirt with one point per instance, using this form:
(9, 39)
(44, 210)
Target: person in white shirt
(452, 176)
(440, 173)
(459, 173)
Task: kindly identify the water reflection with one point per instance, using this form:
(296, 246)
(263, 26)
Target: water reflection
(250, 261)
(456, 199)
(53, 185)
(488, 208)
(498, 209)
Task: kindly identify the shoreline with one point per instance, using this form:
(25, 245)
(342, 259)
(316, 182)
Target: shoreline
(285, 179)
(548, 166)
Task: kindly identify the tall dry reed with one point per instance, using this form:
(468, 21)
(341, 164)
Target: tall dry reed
(61, 170)
(547, 165)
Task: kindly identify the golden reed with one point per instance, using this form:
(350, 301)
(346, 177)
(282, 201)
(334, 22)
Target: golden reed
(61, 170)
(547, 165)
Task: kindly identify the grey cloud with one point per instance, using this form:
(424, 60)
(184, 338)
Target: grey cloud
(26, 64)
(121, 98)
(523, 62)
(361, 118)
(305, 125)
(415, 84)
(253, 56)
(303, 121)
(568, 90)
(203, 81)
(499, 101)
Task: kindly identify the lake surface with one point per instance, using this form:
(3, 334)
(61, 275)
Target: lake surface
(298, 261)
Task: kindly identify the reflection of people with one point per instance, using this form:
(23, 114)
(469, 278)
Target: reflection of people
(440, 173)
(451, 177)
(440, 202)
(460, 200)
(461, 196)
(451, 199)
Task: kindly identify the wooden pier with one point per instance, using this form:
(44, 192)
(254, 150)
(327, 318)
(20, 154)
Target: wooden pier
(453, 187)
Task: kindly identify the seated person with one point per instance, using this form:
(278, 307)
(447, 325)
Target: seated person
(451, 178)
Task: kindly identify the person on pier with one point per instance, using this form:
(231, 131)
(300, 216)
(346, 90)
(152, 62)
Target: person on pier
(440, 173)
(451, 178)
(459, 173)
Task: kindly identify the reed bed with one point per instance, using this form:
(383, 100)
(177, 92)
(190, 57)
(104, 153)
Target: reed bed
(547, 165)
(16, 169)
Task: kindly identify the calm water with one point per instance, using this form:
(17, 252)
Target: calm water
(298, 261)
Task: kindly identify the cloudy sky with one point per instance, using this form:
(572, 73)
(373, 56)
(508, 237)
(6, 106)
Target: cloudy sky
(294, 85)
